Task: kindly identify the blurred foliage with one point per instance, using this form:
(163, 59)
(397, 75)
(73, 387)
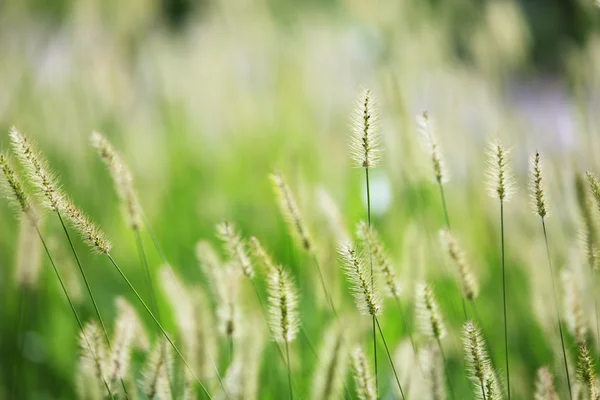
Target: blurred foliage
(205, 99)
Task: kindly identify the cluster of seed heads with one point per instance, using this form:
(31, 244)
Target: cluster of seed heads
(363, 287)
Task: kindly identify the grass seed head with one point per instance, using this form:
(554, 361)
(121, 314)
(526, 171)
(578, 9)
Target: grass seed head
(544, 386)
(364, 138)
(586, 372)
(283, 306)
(468, 283)
(427, 132)
(538, 194)
(235, 247)
(428, 313)
(157, 372)
(364, 289)
(363, 378)
(88, 230)
(15, 191)
(499, 174)
(478, 363)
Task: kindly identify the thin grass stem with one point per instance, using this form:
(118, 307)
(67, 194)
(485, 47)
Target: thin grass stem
(504, 296)
(372, 282)
(20, 340)
(558, 319)
(135, 292)
(144, 261)
(66, 293)
(389, 357)
(89, 290)
(289, 368)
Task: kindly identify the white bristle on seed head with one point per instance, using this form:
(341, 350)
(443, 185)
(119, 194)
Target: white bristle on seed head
(364, 138)
(157, 372)
(544, 385)
(235, 247)
(364, 289)
(426, 129)
(499, 174)
(468, 283)
(88, 230)
(478, 363)
(15, 191)
(283, 306)
(537, 189)
(93, 356)
(428, 313)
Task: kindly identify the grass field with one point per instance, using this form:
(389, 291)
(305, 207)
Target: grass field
(205, 117)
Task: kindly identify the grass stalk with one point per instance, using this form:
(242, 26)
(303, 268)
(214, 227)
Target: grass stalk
(160, 327)
(558, 319)
(390, 357)
(89, 290)
(20, 340)
(504, 296)
(71, 305)
(372, 281)
(289, 368)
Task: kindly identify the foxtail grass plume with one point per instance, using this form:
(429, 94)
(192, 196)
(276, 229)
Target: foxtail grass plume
(478, 363)
(261, 255)
(205, 334)
(129, 333)
(15, 191)
(157, 372)
(594, 183)
(371, 240)
(88, 230)
(433, 371)
(574, 312)
(38, 172)
(364, 138)
(121, 176)
(328, 378)
(427, 132)
(290, 211)
(468, 283)
(29, 255)
(589, 232)
(283, 306)
(586, 372)
(235, 247)
(366, 295)
(363, 378)
(428, 313)
(544, 386)
(538, 194)
(92, 364)
(499, 174)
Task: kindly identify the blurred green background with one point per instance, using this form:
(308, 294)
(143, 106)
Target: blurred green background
(204, 99)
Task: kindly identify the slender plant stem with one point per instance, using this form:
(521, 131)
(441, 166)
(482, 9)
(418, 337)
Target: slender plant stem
(443, 196)
(322, 279)
(89, 290)
(168, 265)
(483, 390)
(66, 293)
(144, 261)
(372, 282)
(230, 339)
(439, 343)
(504, 296)
(135, 292)
(558, 319)
(387, 350)
(595, 304)
(20, 340)
(289, 368)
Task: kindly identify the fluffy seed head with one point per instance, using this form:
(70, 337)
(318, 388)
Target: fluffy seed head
(476, 357)
(594, 186)
(15, 191)
(589, 231)
(492, 387)
(290, 211)
(428, 313)
(260, 254)
(121, 176)
(37, 170)
(538, 194)
(128, 332)
(586, 372)
(433, 371)
(544, 386)
(235, 247)
(469, 285)
(499, 174)
(370, 239)
(93, 355)
(364, 138)
(157, 372)
(574, 313)
(364, 288)
(90, 233)
(329, 376)
(283, 306)
(363, 379)
(426, 130)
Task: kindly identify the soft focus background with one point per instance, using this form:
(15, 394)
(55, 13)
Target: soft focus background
(204, 99)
